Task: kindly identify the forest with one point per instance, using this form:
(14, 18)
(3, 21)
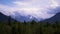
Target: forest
(15, 27)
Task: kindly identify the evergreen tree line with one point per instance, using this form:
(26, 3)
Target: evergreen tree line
(29, 27)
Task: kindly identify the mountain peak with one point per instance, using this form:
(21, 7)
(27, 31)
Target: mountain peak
(54, 18)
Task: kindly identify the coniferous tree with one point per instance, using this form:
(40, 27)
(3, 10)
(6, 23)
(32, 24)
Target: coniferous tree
(25, 23)
(9, 20)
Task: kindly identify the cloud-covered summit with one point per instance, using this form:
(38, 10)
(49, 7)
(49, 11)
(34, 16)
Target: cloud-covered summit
(39, 9)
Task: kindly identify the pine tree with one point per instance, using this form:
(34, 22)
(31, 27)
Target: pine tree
(9, 20)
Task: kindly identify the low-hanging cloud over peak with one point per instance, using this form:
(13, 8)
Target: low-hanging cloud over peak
(35, 8)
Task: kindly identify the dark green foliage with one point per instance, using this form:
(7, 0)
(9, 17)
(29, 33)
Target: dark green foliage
(25, 23)
(29, 27)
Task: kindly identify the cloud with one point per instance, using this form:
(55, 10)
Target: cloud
(54, 3)
(6, 10)
(34, 8)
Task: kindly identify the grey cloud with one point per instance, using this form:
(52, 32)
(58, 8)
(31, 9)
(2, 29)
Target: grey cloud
(54, 11)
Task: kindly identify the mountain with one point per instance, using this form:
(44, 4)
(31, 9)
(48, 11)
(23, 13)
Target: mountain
(5, 18)
(18, 17)
(24, 18)
(54, 18)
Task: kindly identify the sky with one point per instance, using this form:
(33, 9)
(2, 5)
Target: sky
(35, 8)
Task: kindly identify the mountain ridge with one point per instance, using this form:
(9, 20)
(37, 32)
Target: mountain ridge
(21, 18)
(53, 19)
